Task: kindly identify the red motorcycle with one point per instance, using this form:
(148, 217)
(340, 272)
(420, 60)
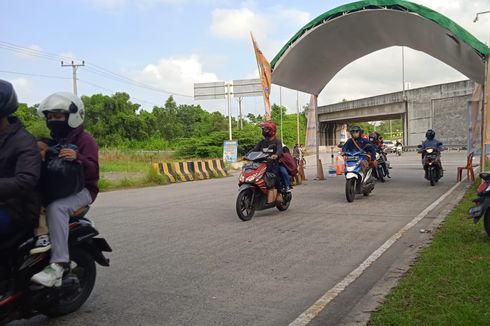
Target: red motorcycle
(257, 187)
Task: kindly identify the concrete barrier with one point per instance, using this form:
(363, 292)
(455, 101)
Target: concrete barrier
(166, 170)
(189, 171)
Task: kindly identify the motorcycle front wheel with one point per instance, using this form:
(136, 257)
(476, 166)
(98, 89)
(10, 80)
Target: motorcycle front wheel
(350, 190)
(431, 176)
(85, 271)
(486, 222)
(380, 173)
(245, 208)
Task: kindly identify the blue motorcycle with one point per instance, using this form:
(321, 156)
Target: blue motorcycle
(358, 175)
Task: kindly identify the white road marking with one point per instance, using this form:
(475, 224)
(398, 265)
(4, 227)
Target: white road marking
(308, 315)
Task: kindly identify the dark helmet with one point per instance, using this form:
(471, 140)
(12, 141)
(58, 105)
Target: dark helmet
(374, 136)
(355, 129)
(430, 134)
(8, 99)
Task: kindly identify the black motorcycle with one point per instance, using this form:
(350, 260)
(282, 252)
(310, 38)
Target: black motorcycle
(482, 203)
(20, 298)
(382, 170)
(431, 160)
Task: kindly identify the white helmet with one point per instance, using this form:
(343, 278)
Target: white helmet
(66, 103)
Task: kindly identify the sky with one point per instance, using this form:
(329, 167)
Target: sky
(153, 48)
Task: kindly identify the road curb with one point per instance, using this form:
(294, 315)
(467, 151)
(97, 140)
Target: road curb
(369, 303)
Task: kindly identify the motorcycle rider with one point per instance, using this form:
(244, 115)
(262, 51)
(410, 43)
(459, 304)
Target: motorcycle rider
(20, 168)
(376, 138)
(432, 142)
(357, 142)
(269, 130)
(64, 113)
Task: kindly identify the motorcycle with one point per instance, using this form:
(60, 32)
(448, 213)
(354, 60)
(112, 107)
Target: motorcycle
(482, 203)
(358, 175)
(257, 189)
(381, 171)
(398, 150)
(431, 160)
(20, 298)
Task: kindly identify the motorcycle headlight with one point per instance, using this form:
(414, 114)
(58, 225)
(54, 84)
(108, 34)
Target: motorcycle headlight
(430, 150)
(350, 168)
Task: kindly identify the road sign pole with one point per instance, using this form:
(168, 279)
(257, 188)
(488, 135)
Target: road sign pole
(229, 110)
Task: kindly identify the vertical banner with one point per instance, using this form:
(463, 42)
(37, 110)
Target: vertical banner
(230, 151)
(475, 120)
(265, 73)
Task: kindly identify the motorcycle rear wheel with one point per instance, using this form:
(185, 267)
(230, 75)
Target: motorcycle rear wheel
(245, 208)
(350, 190)
(86, 272)
(284, 204)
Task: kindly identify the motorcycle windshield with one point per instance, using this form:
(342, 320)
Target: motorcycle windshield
(254, 156)
(354, 153)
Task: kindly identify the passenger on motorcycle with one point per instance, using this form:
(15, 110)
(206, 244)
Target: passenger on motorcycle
(64, 113)
(269, 132)
(357, 142)
(432, 142)
(376, 138)
(20, 168)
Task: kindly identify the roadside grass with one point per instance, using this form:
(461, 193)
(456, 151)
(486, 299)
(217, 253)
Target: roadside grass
(123, 166)
(152, 178)
(449, 283)
(122, 169)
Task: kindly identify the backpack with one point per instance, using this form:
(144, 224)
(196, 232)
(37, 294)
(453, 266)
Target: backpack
(290, 163)
(62, 177)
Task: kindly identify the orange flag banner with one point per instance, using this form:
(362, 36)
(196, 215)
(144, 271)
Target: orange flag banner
(265, 73)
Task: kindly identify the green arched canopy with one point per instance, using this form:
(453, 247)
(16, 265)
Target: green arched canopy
(324, 46)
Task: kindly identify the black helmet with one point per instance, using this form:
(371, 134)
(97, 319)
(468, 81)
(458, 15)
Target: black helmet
(8, 99)
(430, 134)
(355, 129)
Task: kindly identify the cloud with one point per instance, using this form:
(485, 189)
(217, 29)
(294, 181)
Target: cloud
(22, 88)
(176, 74)
(236, 24)
(32, 51)
(381, 72)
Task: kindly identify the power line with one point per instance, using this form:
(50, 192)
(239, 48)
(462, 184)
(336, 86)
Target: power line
(114, 92)
(34, 75)
(80, 80)
(96, 69)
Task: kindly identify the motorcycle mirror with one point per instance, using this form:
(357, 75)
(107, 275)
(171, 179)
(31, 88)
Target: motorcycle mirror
(439, 144)
(419, 146)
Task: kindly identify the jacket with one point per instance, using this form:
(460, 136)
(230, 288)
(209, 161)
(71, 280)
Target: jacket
(365, 145)
(88, 156)
(265, 143)
(20, 170)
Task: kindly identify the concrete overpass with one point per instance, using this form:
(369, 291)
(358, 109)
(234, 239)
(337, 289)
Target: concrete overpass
(443, 108)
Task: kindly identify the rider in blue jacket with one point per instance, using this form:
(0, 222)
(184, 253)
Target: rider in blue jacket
(357, 143)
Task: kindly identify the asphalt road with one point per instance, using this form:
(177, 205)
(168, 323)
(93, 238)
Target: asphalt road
(182, 257)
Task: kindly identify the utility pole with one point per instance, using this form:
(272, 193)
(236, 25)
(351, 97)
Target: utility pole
(240, 124)
(297, 118)
(74, 67)
(403, 72)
